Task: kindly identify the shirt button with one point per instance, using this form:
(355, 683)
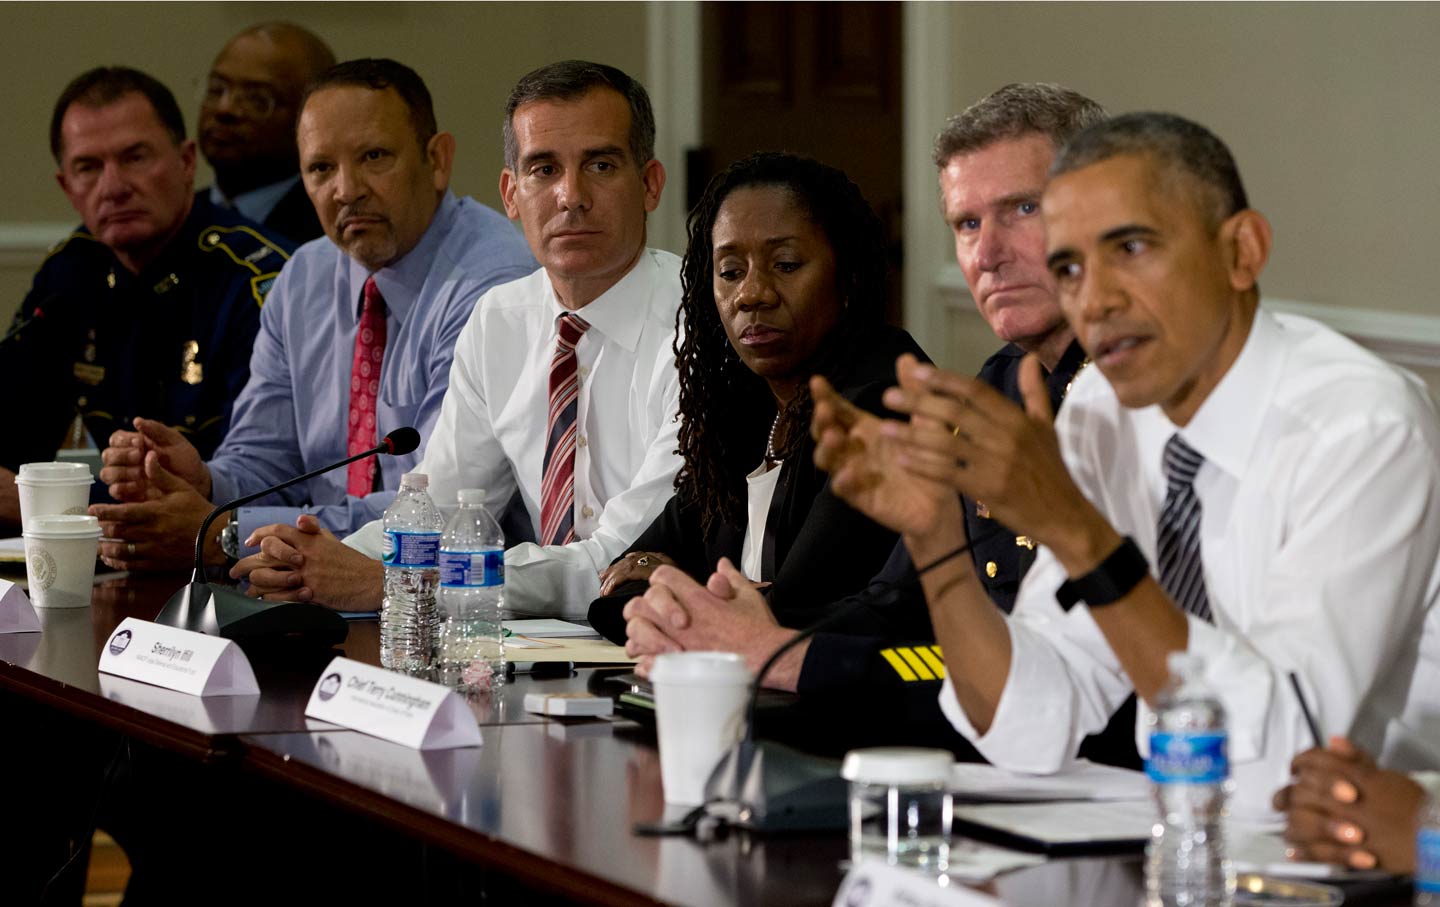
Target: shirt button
(586, 512)
(991, 568)
(581, 441)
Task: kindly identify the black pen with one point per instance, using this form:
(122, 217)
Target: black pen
(1309, 715)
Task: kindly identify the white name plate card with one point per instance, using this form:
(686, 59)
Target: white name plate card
(874, 883)
(17, 615)
(176, 659)
(395, 707)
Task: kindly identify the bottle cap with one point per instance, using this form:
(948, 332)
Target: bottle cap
(415, 480)
(472, 495)
(897, 765)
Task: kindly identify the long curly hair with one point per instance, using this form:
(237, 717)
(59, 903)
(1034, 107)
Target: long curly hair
(727, 410)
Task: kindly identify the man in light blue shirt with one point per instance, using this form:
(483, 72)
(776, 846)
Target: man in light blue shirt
(378, 173)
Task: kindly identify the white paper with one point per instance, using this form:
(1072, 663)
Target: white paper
(874, 883)
(17, 615)
(1074, 822)
(395, 707)
(1081, 780)
(177, 659)
(541, 628)
(977, 861)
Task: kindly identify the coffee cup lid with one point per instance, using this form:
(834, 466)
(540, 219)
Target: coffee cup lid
(62, 526)
(897, 765)
(699, 668)
(53, 474)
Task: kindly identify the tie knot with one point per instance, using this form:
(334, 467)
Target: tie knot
(572, 327)
(1182, 462)
(370, 295)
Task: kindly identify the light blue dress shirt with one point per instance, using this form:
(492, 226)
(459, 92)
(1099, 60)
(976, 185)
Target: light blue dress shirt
(291, 417)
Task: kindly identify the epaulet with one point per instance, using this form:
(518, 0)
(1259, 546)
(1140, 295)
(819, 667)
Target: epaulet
(249, 249)
(78, 234)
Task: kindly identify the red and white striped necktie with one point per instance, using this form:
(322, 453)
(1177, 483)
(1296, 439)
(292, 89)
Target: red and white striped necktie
(557, 484)
(365, 390)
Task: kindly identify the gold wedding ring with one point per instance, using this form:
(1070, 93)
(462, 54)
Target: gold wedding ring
(642, 561)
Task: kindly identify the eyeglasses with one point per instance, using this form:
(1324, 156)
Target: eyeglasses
(255, 101)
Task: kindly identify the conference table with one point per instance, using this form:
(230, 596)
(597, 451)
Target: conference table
(548, 805)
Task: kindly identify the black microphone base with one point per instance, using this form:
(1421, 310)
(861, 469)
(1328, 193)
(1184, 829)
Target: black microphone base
(768, 787)
(221, 611)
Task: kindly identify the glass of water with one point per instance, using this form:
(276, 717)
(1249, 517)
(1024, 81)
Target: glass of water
(900, 806)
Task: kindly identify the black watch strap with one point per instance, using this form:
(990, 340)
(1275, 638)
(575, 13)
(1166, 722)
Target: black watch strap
(1111, 581)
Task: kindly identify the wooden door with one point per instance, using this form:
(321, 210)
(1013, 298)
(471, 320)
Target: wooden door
(819, 79)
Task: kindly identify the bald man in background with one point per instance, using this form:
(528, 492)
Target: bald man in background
(248, 108)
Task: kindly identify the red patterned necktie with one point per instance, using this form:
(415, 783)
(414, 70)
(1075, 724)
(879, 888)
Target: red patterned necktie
(557, 485)
(365, 390)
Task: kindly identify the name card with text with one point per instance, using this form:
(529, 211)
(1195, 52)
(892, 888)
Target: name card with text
(874, 883)
(404, 710)
(177, 659)
(17, 615)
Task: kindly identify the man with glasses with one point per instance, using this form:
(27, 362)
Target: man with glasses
(248, 106)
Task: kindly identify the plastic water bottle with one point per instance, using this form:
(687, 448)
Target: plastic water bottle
(1427, 855)
(1186, 864)
(409, 617)
(472, 595)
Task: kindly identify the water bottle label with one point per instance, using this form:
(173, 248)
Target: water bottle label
(411, 549)
(1188, 758)
(1427, 861)
(472, 569)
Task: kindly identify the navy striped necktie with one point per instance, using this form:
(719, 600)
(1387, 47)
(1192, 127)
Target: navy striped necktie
(1182, 574)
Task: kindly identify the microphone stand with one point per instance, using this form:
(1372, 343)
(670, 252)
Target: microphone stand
(219, 610)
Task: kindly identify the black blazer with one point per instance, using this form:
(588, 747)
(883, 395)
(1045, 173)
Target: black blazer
(294, 216)
(817, 549)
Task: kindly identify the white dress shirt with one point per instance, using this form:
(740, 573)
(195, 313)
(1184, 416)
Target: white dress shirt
(1320, 494)
(491, 430)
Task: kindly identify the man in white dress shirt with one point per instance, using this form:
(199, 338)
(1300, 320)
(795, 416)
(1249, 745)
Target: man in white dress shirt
(573, 419)
(1288, 480)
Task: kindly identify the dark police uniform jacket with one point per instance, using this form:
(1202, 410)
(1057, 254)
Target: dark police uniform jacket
(293, 216)
(171, 343)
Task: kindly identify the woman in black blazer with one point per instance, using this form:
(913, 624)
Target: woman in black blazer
(784, 277)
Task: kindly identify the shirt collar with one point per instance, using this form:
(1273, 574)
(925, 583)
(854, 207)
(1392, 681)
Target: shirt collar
(1225, 428)
(618, 313)
(257, 203)
(400, 283)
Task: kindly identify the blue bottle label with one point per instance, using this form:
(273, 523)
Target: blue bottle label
(1188, 757)
(472, 569)
(411, 549)
(1427, 860)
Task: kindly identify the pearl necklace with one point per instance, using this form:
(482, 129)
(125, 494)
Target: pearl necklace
(770, 442)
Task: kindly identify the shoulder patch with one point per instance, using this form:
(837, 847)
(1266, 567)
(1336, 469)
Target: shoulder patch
(245, 246)
(914, 664)
(260, 285)
(77, 235)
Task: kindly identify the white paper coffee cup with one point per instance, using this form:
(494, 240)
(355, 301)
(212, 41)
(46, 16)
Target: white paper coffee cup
(699, 714)
(60, 554)
(52, 488)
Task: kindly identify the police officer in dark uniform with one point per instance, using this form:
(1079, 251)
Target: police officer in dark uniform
(151, 308)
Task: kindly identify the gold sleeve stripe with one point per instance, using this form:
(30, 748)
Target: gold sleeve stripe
(936, 665)
(916, 664)
(899, 665)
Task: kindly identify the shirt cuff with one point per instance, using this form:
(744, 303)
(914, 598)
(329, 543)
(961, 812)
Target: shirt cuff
(1031, 728)
(1244, 682)
(368, 539)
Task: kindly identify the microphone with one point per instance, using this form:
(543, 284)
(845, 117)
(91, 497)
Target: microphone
(765, 786)
(219, 610)
(37, 314)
